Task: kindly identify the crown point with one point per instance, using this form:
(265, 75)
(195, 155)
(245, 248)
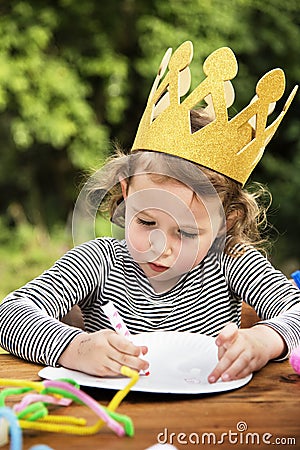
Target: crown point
(182, 57)
(290, 98)
(221, 64)
(271, 86)
(164, 62)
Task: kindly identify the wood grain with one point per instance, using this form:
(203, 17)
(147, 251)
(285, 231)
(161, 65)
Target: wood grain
(249, 316)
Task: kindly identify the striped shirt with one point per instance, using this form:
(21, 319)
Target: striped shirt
(203, 301)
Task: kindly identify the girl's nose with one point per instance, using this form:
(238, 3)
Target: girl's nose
(159, 243)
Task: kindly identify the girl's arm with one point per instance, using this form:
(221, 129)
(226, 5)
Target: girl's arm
(29, 333)
(30, 324)
(276, 300)
(240, 352)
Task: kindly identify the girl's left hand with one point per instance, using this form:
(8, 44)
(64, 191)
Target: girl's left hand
(241, 352)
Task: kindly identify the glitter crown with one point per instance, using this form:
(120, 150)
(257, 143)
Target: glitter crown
(231, 147)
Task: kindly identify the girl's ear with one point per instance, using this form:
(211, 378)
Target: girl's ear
(124, 186)
(231, 219)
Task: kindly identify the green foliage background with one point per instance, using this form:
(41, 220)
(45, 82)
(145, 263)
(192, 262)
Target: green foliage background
(75, 76)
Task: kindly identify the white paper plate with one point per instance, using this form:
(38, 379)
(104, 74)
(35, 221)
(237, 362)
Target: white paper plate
(180, 363)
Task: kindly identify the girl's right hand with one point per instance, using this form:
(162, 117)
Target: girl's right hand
(103, 353)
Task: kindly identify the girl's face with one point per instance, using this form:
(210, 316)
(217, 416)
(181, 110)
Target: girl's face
(168, 228)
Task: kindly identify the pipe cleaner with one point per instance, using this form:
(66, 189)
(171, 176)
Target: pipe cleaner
(295, 360)
(32, 411)
(48, 399)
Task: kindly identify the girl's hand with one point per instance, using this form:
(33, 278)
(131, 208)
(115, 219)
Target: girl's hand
(241, 352)
(102, 354)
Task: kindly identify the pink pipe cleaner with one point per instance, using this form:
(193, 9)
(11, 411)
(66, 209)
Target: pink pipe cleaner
(32, 398)
(295, 360)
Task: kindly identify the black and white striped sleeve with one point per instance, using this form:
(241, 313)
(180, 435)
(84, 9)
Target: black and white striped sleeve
(29, 317)
(275, 299)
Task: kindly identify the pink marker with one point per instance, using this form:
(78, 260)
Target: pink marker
(117, 322)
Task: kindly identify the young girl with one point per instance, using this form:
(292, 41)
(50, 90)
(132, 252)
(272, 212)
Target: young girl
(189, 258)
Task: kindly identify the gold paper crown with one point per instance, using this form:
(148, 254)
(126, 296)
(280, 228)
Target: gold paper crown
(231, 147)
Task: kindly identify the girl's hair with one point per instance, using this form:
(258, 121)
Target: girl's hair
(244, 209)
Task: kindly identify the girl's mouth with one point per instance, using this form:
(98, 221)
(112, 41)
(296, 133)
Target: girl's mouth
(157, 268)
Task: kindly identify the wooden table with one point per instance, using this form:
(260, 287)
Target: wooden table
(269, 406)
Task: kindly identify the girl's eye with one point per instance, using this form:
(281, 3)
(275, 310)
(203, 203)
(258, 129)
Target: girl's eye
(188, 235)
(146, 223)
